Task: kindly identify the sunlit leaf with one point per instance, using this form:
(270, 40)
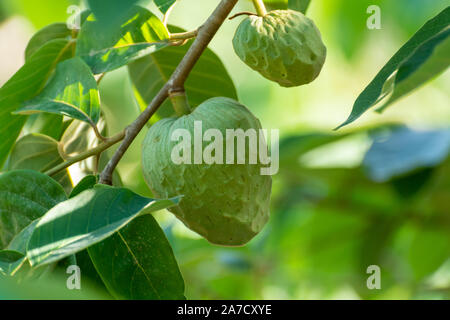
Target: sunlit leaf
(46, 34)
(8, 259)
(371, 95)
(86, 219)
(143, 33)
(417, 71)
(25, 195)
(137, 262)
(86, 183)
(19, 244)
(111, 12)
(26, 84)
(164, 5)
(71, 92)
(208, 79)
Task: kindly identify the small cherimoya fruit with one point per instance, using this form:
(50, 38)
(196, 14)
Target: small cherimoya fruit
(284, 46)
(228, 204)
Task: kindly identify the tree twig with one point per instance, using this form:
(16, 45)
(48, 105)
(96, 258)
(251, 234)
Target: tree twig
(90, 153)
(183, 35)
(176, 82)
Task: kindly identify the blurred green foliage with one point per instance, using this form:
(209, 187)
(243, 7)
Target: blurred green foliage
(330, 217)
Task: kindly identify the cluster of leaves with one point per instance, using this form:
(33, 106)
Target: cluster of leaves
(51, 110)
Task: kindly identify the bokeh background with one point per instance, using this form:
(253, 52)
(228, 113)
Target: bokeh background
(374, 193)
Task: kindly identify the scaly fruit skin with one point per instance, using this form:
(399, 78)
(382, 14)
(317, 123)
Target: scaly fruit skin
(228, 204)
(284, 46)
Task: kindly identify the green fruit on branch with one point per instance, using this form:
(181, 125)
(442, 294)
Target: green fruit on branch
(228, 204)
(284, 46)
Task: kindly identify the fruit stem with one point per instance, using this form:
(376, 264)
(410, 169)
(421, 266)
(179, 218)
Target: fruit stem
(260, 7)
(180, 103)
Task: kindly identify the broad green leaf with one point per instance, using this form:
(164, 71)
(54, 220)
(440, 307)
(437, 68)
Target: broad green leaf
(86, 219)
(39, 153)
(208, 79)
(86, 183)
(89, 272)
(8, 260)
(164, 5)
(19, 244)
(371, 95)
(424, 70)
(429, 250)
(137, 262)
(111, 12)
(142, 34)
(26, 84)
(71, 92)
(299, 5)
(25, 195)
(48, 124)
(48, 33)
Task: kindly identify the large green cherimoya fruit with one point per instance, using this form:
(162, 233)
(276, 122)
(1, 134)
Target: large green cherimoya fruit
(284, 46)
(228, 204)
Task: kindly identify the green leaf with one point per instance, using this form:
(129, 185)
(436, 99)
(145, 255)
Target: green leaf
(86, 219)
(89, 273)
(86, 183)
(71, 92)
(371, 95)
(408, 80)
(19, 244)
(164, 5)
(48, 33)
(48, 124)
(208, 79)
(299, 5)
(111, 12)
(142, 34)
(39, 153)
(8, 260)
(137, 262)
(24, 85)
(25, 195)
